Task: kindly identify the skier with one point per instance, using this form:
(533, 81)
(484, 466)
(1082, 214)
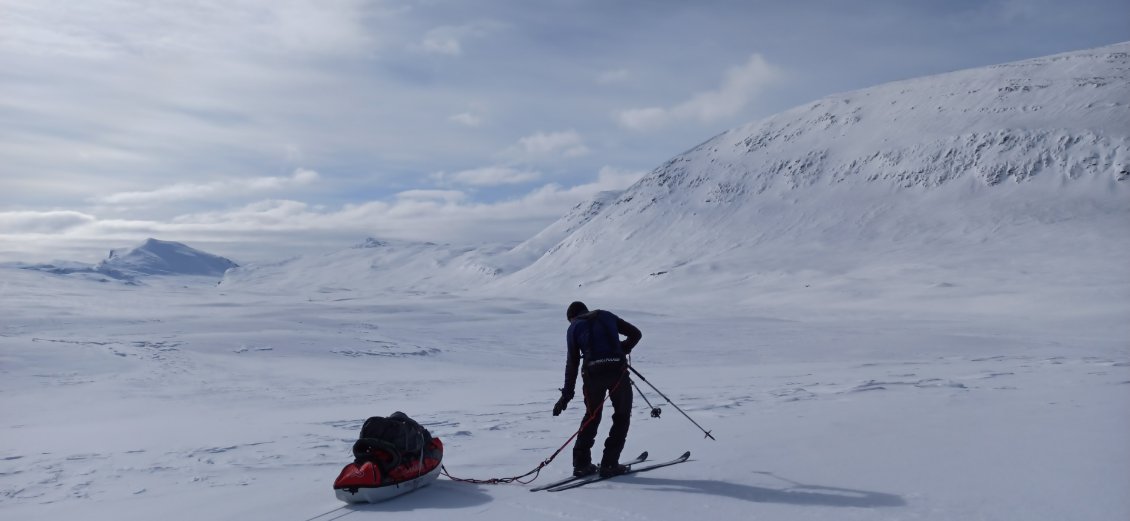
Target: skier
(595, 337)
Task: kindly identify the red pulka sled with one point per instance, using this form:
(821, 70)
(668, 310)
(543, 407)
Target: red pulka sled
(394, 456)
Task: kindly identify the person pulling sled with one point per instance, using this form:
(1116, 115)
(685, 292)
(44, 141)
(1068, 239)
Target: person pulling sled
(594, 337)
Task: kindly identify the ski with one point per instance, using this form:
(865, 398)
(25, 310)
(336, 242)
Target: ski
(640, 459)
(593, 479)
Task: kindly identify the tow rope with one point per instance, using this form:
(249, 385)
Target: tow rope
(537, 470)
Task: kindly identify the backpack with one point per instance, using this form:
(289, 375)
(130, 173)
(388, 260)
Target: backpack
(390, 441)
(596, 336)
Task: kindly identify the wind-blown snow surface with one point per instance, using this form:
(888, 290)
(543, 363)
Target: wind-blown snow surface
(888, 340)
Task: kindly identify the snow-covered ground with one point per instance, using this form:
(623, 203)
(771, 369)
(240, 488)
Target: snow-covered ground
(179, 400)
(927, 319)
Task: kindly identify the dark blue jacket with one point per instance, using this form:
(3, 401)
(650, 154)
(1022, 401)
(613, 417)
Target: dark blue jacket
(595, 336)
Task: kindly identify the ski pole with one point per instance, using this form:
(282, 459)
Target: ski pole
(655, 411)
(708, 435)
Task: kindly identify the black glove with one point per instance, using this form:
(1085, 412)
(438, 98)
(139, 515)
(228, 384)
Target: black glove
(562, 402)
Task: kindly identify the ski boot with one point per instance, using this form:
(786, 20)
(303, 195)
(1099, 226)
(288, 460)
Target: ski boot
(584, 470)
(614, 469)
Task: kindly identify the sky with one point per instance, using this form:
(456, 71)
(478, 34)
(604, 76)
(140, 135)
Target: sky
(265, 129)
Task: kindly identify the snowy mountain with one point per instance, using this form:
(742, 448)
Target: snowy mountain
(374, 265)
(549, 238)
(390, 265)
(152, 257)
(1027, 159)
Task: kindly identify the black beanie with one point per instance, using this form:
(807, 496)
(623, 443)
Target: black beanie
(576, 308)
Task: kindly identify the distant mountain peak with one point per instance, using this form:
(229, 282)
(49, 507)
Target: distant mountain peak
(370, 242)
(157, 257)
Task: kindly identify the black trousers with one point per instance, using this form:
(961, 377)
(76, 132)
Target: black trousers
(597, 384)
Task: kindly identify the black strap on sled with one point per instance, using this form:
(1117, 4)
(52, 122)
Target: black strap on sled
(362, 450)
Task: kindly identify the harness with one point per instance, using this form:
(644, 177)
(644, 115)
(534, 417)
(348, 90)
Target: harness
(612, 337)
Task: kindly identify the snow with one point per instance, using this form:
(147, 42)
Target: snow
(375, 265)
(999, 158)
(890, 340)
(156, 257)
(152, 257)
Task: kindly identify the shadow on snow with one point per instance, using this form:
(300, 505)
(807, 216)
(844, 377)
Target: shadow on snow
(438, 495)
(796, 494)
(444, 495)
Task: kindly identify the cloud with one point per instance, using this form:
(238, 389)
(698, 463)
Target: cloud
(644, 119)
(270, 214)
(1012, 11)
(119, 27)
(613, 76)
(467, 119)
(448, 214)
(55, 221)
(610, 178)
(283, 226)
(740, 85)
(125, 95)
(448, 40)
(488, 176)
(436, 43)
(553, 145)
(216, 189)
(447, 196)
